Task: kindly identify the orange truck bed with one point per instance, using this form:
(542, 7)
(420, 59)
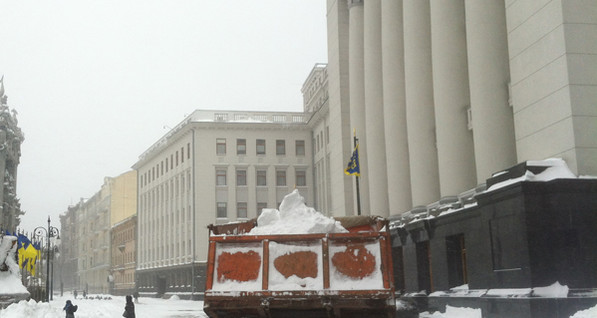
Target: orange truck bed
(300, 275)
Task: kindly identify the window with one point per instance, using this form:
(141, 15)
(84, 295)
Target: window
(300, 147)
(189, 150)
(424, 266)
(261, 146)
(222, 210)
(241, 177)
(241, 209)
(220, 177)
(241, 146)
(301, 178)
(181, 154)
(220, 146)
(457, 274)
(281, 178)
(261, 206)
(261, 177)
(280, 147)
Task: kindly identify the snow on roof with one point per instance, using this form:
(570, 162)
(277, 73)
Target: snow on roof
(557, 169)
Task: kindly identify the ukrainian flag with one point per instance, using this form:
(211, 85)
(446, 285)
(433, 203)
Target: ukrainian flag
(353, 165)
(28, 254)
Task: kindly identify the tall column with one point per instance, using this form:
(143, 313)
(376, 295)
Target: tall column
(418, 91)
(394, 107)
(357, 94)
(376, 152)
(451, 95)
(340, 147)
(488, 71)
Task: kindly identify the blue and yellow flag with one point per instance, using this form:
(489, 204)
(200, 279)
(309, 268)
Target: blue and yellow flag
(28, 253)
(353, 165)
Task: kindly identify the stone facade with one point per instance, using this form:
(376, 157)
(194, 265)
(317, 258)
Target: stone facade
(444, 93)
(124, 254)
(11, 139)
(88, 242)
(501, 244)
(69, 251)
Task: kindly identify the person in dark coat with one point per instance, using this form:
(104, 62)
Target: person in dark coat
(70, 309)
(129, 308)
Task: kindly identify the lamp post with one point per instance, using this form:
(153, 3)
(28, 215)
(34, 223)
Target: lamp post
(49, 232)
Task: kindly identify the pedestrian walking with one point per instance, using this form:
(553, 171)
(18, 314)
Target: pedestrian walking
(75, 293)
(129, 308)
(70, 309)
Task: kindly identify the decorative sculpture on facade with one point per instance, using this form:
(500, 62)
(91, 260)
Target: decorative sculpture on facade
(11, 139)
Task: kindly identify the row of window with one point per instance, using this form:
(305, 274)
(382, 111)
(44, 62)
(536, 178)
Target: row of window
(261, 177)
(170, 253)
(165, 165)
(123, 236)
(121, 258)
(125, 278)
(318, 141)
(241, 147)
(241, 209)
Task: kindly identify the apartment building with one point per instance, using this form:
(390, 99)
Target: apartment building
(87, 231)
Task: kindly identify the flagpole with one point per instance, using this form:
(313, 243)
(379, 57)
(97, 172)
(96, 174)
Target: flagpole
(356, 142)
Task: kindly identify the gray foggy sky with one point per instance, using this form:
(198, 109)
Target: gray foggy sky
(95, 82)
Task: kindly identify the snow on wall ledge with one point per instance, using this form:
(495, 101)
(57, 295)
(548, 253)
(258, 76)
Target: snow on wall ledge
(556, 169)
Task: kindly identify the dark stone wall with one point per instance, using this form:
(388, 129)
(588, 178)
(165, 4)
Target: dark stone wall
(171, 280)
(561, 226)
(529, 234)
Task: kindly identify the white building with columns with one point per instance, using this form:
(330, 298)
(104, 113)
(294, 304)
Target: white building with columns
(441, 95)
(444, 93)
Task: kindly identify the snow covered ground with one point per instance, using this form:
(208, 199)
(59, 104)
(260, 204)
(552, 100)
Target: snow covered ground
(454, 312)
(102, 308)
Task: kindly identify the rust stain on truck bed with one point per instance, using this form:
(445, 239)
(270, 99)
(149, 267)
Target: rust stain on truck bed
(242, 267)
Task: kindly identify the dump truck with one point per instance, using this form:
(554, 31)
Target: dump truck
(300, 275)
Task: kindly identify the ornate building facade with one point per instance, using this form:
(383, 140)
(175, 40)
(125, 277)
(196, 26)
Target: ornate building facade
(11, 139)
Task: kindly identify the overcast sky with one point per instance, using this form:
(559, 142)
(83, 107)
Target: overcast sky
(96, 83)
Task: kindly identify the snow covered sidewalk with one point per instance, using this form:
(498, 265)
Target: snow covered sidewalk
(102, 308)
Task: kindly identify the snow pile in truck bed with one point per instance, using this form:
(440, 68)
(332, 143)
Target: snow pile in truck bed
(294, 217)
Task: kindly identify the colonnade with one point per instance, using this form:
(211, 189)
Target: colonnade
(428, 98)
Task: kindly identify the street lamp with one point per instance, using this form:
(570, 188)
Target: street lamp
(49, 232)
